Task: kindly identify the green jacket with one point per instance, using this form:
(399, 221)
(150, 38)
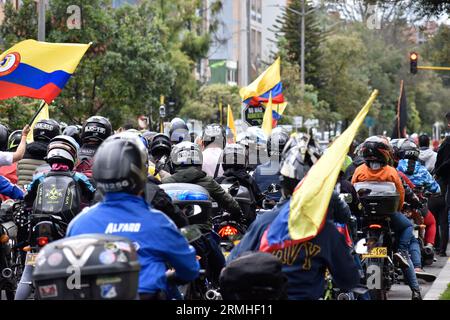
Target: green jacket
(197, 176)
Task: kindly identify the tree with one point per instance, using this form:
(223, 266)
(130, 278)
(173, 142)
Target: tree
(287, 29)
(437, 51)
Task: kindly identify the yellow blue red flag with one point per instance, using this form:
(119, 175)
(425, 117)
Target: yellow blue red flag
(38, 69)
(269, 82)
(230, 122)
(303, 217)
(267, 124)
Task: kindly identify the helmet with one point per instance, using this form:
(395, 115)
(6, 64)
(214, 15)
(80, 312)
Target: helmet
(308, 147)
(120, 165)
(62, 149)
(148, 135)
(276, 142)
(160, 146)
(234, 156)
(3, 137)
(62, 125)
(96, 129)
(376, 149)
(214, 133)
(14, 140)
(178, 131)
(45, 130)
(72, 131)
(408, 150)
(186, 153)
(133, 137)
(292, 170)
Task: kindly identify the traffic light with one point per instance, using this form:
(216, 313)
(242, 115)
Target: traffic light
(413, 59)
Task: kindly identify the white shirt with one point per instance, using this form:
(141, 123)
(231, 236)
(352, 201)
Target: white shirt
(6, 158)
(211, 156)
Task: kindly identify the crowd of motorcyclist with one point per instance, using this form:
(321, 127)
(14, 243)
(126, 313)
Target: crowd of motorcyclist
(119, 177)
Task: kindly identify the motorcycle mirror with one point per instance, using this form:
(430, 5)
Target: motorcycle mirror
(361, 247)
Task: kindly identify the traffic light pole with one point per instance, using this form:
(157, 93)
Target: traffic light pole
(434, 68)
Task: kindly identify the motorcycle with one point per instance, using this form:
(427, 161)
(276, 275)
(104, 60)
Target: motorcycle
(380, 202)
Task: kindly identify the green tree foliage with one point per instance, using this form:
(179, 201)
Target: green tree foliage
(205, 107)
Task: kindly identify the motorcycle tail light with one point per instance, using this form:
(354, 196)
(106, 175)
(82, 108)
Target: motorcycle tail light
(374, 226)
(228, 231)
(4, 238)
(42, 241)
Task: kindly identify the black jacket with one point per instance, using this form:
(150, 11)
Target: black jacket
(195, 175)
(442, 166)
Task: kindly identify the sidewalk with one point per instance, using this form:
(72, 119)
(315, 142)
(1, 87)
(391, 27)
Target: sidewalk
(440, 284)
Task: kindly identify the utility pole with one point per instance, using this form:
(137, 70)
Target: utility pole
(41, 20)
(302, 50)
(249, 48)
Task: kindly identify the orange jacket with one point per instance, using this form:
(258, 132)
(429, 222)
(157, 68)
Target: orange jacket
(385, 174)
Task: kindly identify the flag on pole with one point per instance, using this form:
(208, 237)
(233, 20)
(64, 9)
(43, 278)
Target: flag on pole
(277, 112)
(42, 115)
(401, 119)
(268, 118)
(269, 82)
(303, 217)
(230, 122)
(38, 70)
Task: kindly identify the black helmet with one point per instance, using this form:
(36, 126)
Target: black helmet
(3, 137)
(120, 166)
(186, 153)
(74, 132)
(160, 146)
(234, 156)
(14, 140)
(96, 129)
(62, 149)
(178, 131)
(46, 130)
(214, 133)
(376, 149)
(276, 142)
(408, 150)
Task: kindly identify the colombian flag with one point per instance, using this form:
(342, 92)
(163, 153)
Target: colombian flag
(269, 82)
(303, 217)
(38, 69)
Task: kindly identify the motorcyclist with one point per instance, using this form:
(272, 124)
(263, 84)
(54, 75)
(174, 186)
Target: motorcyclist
(95, 130)
(377, 154)
(186, 159)
(43, 132)
(120, 168)
(10, 171)
(268, 173)
(213, 142)
(305, 281)
(427, 156)
(234, 164)
(153, 194)
(62, 156)
(159, 150)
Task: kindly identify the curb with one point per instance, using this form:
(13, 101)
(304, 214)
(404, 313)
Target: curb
(440, 284)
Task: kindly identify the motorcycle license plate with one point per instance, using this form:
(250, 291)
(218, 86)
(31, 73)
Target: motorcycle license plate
(31, 259)
(377, 252)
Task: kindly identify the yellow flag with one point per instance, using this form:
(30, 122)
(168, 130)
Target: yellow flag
(267, 120)
(310, 201)
(230, 122)
(43, 114)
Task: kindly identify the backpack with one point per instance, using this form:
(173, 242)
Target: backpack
(59, 195)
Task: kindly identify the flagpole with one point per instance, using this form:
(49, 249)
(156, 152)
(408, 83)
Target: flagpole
(37, 112)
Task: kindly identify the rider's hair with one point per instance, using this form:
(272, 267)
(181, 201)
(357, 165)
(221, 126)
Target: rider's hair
(424, 140)
(411, 167)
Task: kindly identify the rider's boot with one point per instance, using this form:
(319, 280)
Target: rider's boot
(416, 294)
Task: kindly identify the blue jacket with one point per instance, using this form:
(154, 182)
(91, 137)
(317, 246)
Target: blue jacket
(420, 177)
(304, 264)
(10, 190)
(156, 237)
(265, 174)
